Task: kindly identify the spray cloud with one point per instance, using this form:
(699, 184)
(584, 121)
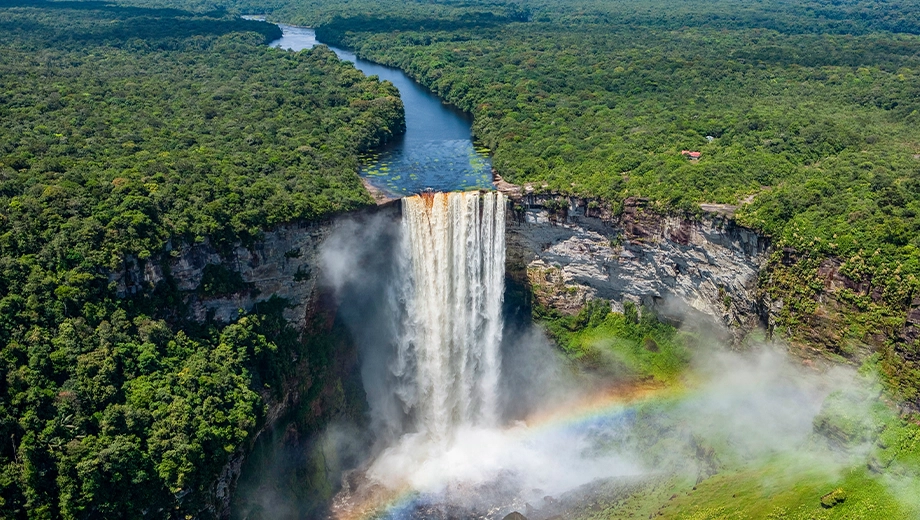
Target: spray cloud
(473, 420)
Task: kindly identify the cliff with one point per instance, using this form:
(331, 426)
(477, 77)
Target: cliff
(570, 250)
(282, 264)
(219, 284)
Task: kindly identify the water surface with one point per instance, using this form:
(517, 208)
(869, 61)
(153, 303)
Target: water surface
(436, 151)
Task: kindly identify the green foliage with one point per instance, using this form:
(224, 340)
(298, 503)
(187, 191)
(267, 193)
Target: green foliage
(850, 418)
(833, 498)
(632, 346)
(218, 280)
(125, 132)
(126, 414)
(127, 145)
(783, 490)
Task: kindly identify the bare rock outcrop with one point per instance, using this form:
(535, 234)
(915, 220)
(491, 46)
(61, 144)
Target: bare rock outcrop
(571, 250)
(282, 263)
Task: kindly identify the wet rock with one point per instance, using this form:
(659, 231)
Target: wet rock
(514, 516)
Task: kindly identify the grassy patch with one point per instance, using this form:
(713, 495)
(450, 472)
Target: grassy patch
(624, 343)
(815, 481)
(788, 489)
(783, 488)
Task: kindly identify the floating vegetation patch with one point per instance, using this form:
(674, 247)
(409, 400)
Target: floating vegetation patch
(415, 166)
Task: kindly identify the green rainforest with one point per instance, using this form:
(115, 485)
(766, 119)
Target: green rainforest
(811, 113)
(123, 129)
(130, 129)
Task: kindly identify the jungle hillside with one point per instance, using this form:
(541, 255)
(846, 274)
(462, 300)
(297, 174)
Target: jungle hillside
(122, 130)
(804, 120)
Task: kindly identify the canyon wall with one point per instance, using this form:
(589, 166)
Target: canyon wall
(700, 271)
(707, 273)
(219, 284)
(564, 250)
(282, 264)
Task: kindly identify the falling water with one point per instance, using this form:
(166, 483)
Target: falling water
(431, 325)
(452, 268)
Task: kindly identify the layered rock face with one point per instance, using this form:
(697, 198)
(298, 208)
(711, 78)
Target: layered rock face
(704, 270)
(685, 270)
(282, 265)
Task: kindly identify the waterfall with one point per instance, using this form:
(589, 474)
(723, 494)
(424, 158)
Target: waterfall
(446, 363)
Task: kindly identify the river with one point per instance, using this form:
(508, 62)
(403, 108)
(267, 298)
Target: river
(437, 150)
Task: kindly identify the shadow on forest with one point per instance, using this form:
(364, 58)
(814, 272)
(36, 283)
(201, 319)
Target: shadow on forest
(368, 23)
(120, 23)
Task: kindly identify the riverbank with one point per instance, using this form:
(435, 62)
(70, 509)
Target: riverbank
(435, 152)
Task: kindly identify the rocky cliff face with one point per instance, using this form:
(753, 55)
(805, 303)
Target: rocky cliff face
(821, 310)
(570, 252)
(566, 252)
(283, 264)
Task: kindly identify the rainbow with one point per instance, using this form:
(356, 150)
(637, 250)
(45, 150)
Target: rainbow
(590, 410)
(608, 402)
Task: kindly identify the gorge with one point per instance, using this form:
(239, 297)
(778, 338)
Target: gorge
(418, 285)
(238, 281)
(445, 277)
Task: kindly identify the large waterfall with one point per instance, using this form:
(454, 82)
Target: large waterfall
(451, 270)
(425, 303)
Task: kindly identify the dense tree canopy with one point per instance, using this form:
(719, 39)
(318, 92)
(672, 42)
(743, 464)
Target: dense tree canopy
(807, 114)
(121, 129)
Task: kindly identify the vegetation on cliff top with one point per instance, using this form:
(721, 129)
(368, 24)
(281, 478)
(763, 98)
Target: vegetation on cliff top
(808, 109)
(122, 129)
(631, 345)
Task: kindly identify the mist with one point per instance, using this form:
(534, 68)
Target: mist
(561, 431)
(359, 263)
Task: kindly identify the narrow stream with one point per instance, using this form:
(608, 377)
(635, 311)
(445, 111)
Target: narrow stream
(437, 150)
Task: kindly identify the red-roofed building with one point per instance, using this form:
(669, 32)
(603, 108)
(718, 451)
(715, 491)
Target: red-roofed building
(692, 155)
